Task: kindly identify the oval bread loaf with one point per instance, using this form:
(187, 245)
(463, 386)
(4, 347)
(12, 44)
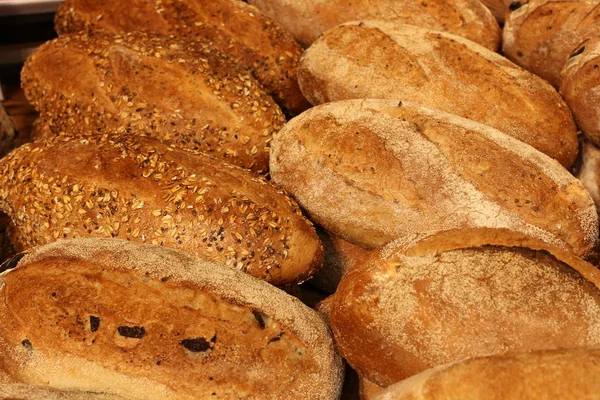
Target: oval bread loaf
(147, 322)
(136, 188)
(569, 374)
(259, 45)
(541, 34)
(165, 88)
(580, 87)
(441, 71)
(308, 19)
(371, 171)
(461, 294)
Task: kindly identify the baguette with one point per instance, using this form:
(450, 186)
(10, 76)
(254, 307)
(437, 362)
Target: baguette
(136, 188)
(308, 19)
(371, 171)
(460, 294)
(440, 71)
(260, 46)
(156, 86)
(148, 322)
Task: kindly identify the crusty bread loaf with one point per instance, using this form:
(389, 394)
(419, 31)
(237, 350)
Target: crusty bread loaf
(259, 45)
(461, 294)
(580, 87)
(165, 88)
(371, 171)
(541, 34)
(308, 19)
(568, 374)
(136, 188)
(442, 71)
(148, 322)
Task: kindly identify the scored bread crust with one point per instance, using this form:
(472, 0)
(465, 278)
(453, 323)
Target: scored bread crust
(163, 87)
(51, 343)
(398, 169)
(259, 45)
(540, 35)
(136, 188)
(459, 294)
(580, 87)
(376, 59)
(569, 374)
(308, 19)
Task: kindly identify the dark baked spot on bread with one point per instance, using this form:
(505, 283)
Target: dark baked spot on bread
(515, 5)
(199, 344)
(577, 52)
(134, 332)
(94, 323)
(27, 344)
(259, 318)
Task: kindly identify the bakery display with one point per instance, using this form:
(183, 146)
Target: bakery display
(136, 188)
(375, 59)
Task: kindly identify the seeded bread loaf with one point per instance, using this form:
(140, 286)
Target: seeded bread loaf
(569, 374)
(441, 71)
(308, 19)
(169, 89)
(259, 45)
(461, 294)
(540, 35)
(136, 188)
(580, 87)
(147, 322)
(371, 171)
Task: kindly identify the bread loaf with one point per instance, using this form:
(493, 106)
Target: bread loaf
(569, 374)
(147, 322)
(499, 8)
(371, 171)
(157, 86)
(260, 46)
(441, 71)
(308, 19)
(136, 188)
(580, 87)
(541, 34)
(462, 294)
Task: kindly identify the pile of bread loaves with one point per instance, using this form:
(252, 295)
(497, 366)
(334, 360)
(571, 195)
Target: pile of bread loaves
(162, 218)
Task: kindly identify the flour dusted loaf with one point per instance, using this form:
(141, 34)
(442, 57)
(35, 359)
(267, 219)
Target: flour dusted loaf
(259, 45)
(148, 322)
(580, 86)
(569, 374)
(136, 188)
(163, 87)
(308, 19)
(541, 34)
(376, 59)
(371, 171)
(460, 294)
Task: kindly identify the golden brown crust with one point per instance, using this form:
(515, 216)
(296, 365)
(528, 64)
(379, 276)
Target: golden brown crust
(462, 294)
(259, 45)
(22, 391)
(157, 86)
(541, 34)
(569, 374)
(440, 71)
(308, 19)
(368, 389)
(137, 188)
(580, 87)
(400, 170)
(499, 8)
(144, 321)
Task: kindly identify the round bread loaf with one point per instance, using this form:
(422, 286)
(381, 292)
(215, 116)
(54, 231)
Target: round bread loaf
(169, 89)
(136, 188)
(147, 322)
(308, 19)
(540, 35)
(580, 87)
(371, 171)
(460, 294)
(375, 59)
(569, 374)
(259, 45)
